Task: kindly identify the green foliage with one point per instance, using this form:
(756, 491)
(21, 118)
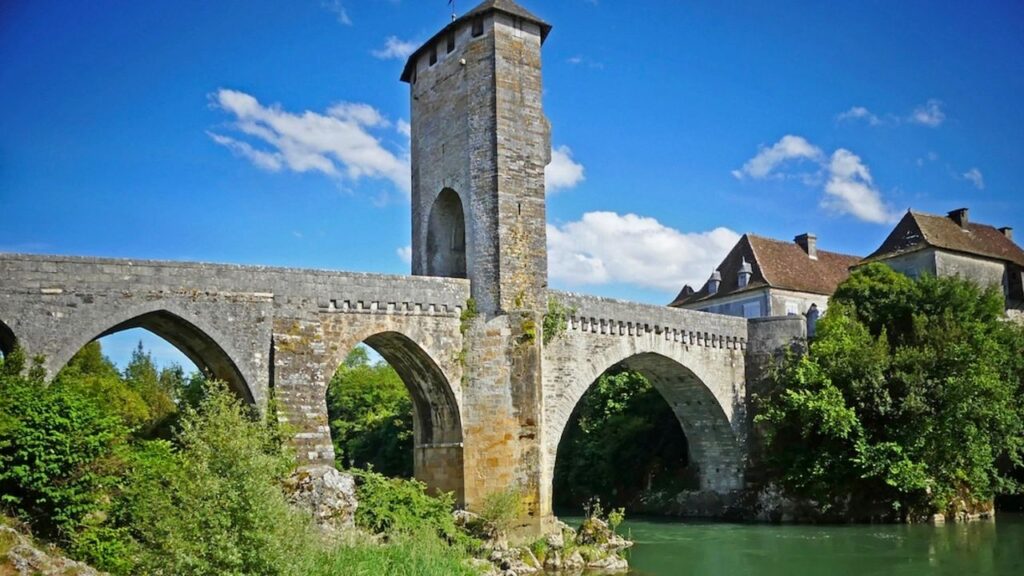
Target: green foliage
(393, 506)
(469, 313)
(370, 415)
(499, 512)
(910, 397)
(207, 500)
(556, 320)
(598, 453)
(60, 452)
(615, 518)
(209, 503)
(404, 555)
(93, 375)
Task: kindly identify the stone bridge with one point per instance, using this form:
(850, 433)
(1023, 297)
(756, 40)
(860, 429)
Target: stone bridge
(282, 333)
(465, 332)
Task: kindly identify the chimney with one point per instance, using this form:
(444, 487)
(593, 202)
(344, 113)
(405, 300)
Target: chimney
(1007, 231)
(714, 282)
(959, 216)
(809, 242)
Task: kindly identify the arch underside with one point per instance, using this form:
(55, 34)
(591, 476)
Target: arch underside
(713, 448)
(436, 411)
(714, 452)
(437, 424)
(194, 343)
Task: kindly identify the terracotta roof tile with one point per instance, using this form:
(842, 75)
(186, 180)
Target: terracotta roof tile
(917, 230)
(775, 264)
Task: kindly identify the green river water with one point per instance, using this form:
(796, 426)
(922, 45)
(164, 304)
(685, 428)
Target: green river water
(698, 549)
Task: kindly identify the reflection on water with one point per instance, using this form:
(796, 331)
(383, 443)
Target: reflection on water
(976, 549)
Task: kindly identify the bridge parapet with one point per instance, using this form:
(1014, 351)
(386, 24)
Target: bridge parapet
(598, 315)
(355, 291)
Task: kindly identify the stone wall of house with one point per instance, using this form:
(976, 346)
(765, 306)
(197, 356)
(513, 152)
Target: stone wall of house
(980, 270)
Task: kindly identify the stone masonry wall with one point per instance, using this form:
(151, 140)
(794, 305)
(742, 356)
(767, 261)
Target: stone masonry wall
(695, 359)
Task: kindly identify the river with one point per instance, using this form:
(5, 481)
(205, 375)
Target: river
(698, 549)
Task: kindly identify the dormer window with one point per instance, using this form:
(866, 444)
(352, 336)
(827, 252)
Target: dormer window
(743, 276)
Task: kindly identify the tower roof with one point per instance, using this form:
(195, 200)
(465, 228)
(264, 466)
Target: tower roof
(507, 6)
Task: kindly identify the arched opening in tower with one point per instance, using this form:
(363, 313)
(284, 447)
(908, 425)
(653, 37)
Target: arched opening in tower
(391, 408)
(446, 237)
(623, 445)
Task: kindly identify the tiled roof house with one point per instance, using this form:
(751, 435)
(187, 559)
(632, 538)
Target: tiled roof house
(952, 245)
(767, 277)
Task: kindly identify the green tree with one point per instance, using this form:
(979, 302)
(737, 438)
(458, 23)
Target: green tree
(142, 376)
(908, 402)
(90, 373)
(61, 451)
(370, 415)
(210, 501)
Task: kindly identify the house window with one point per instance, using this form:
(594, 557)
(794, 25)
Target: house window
(433, 55)
(478, 27)
(752, 310)
(792, 308)
(451, 42)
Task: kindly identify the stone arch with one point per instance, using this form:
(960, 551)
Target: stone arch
(437, 420)
(200, 344)
(7, 339)
(446, 236)
(714, 449)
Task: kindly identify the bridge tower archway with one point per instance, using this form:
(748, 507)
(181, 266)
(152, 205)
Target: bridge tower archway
(437, 422)
(446, 236)
(714, 452)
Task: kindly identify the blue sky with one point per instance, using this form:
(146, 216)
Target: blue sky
(272, 132)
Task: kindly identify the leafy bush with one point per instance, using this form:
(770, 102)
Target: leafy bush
(909, 398)
(60, 451)
(399, 506)
(212, 504)
(499, 511)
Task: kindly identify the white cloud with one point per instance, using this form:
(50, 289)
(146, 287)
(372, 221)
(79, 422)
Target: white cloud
(266, 160)
(563, 172)
(976, 178)
(337, 8)
(859, 113)
(846, 180)
(395, 49)
(404, 128)
(405, 254)
(606, 247)
(928, 114)
(338, 143)
(851, 190)
(769, 158)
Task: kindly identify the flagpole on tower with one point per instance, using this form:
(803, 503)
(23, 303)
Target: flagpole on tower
(452, 4)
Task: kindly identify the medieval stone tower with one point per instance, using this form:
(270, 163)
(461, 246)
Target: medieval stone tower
(480, 142)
